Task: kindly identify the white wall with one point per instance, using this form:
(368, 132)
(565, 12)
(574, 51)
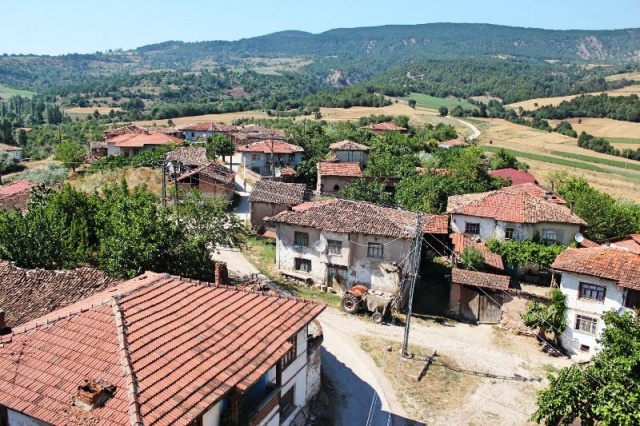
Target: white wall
(112, 149)
(246, 158)
(352, 156)
(212, 417)
(487, 226)
(569, 285)
(296, 375)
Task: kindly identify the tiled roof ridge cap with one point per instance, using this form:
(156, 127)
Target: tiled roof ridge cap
(135, 413)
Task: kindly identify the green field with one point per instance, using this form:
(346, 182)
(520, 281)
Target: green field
(605, 161)
(6, 92)
(630, 141)
(432, 102)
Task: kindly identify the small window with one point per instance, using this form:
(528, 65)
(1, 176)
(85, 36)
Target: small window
(336, 188)
(586, 324)
(549, 236)
(291, 354)
(287, 403)
(301, 239)
(585, 348)
(255, 157)
(592, 292)
(335, 247)
(508, 233)
(472, 228)
(374, 250)
(303, 265)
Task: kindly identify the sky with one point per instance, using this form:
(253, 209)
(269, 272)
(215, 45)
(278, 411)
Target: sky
(73, 26)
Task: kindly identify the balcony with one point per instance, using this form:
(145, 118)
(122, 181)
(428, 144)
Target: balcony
(265, 408)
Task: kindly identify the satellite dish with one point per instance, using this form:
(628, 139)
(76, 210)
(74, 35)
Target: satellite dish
(320, 246)
(579, 238)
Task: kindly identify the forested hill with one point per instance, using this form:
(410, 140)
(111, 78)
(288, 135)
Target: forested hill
(373, 50)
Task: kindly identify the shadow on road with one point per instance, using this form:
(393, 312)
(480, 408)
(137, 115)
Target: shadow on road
(354, 402)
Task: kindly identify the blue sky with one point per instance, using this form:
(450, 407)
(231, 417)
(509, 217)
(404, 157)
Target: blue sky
(73, 26)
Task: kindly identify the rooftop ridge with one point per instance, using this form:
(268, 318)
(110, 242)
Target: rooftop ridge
(135, 413)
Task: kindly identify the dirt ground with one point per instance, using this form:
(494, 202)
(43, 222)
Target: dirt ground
(530, 104)
(604, 127)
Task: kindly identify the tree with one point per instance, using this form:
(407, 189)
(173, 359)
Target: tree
(502, 159)
(472, 259)
(544, 318)
(8, 163)
(604, 392)
(412, 103)
(70, 154)
(444, 111)
(51, 174)
(219, 145)
(373, 192)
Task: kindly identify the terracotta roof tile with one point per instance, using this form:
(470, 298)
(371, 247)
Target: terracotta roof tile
(213, 171)
(348, 145)
(537, 191)
(511, 205)
(327, 168)
(15, 195)
(386, 127)
(189, 156)
(479, 279)
(270, 191)
(181, 345)
(138, 140)
(516, 176)
(461, 242)
(628, 242)
(267, 146)
(345, 216)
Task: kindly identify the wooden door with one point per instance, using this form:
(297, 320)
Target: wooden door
(469, 304)
(337, 278)
(490, 308)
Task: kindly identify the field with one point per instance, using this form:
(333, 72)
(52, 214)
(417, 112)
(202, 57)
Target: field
(628, 75)
(7, 92)
(622, 134)
(82, 112)
(531, 103)
(431, 102)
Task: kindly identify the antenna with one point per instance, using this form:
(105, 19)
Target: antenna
(320, 246)
(579, 238)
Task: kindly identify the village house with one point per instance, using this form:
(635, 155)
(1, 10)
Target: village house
(131, 140)
(201, 131)
(98, 149)
(477, 296)
(15, 195)
(333, 176)
(387, 126)
(453, 143)
(263, 157)
(628, 242)
(212, 179)
(595, 280)
(340, 243)
(513, 213)
(347, 151)
(162, 350)
(13, 150)
(187, 158)
(516, 177)
(269, 197)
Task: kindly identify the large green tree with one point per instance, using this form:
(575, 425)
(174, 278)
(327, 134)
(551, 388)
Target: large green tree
(71, 154)
(605, 392)
(373, 192)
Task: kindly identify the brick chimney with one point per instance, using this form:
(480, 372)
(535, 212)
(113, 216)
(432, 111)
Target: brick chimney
(93, 394)
(3, 324)
(221, 274)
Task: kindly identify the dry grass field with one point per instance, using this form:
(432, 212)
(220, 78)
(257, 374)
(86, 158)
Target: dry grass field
(152, 178)
(82, 112)
(628, 75)
(531, 103)
(622, 134)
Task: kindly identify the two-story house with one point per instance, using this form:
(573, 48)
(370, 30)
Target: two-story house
(595, 280)
(270, 197)
(333, 176)
(201, 131)
(513, 213)
(340, 243)
(162, 350)
(131, 140)
(264, 156)
(348, 151)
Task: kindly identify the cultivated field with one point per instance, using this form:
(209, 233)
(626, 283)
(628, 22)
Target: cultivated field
(7, 92)
(431, 102)
(628, 75)
(531, 103)
(620, 133)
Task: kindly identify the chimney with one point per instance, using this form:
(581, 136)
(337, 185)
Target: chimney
(221, 274)
(93, 394)
(548, 195)
(571, 208)
(3, 325)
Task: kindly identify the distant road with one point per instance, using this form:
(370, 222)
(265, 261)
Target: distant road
(475, 132)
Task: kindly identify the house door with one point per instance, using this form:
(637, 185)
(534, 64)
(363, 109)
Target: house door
(469, 304)
(479, 307)
(490, 308)
(337, 277)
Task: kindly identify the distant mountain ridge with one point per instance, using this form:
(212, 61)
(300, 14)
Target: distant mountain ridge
(363, 52)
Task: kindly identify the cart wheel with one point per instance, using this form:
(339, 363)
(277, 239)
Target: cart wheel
(349, 303)
(377, 317)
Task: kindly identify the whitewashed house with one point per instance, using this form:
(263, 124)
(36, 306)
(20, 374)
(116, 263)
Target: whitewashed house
(595, 280)
(264, 156)
(132, 140)
(201, 131)
(340, 243)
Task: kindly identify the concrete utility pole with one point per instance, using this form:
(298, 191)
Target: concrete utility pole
(164, 180)
(273, 167)
(412, 275)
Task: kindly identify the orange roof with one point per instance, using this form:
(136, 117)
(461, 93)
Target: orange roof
(171, 347)
(339, 169)
(268, 145)
(15, 195)
(604, 262)
(207, 126)
(537, 191)
(628, 242)
(138, 140)
(479, 279)
(461, 242)
(516, 176)
(511, 205)
(387, 127)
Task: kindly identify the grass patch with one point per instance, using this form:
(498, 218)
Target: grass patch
(549, 368)
(630, 141)
(432, 102)
(598, 160)
(8, 91)
(439, 391)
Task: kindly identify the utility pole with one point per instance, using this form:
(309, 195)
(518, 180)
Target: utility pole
(273, 167)
(164, 180)
(412, 275)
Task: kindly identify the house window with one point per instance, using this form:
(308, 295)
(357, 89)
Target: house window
(336, 188)
(287, 403)
(549, 236)
(291, 354)
(374, 250)
(472, 228)
(292, 157)
(303, 265)
(301, 239)
(632, 299)
(508, 233)
(592, 292)
(335, 247)
(255, 157)
(586, 324)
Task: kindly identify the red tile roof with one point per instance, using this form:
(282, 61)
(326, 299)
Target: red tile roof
(346, 216)
(479, 279)
(288, 171)
(330, 168)
(189, 156)
(452, 143)
(271, 191)
(511, 205)
(267, 146)
(461, 242)
(15, 195)
(516, 176)
(171, 347)
(347, 145)
(386, 127)
(207, 126)
(5, 147)
(537, 191)
(214, 171)
(26, 294)
(628, 242)
(138, 140)
(603, 262)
